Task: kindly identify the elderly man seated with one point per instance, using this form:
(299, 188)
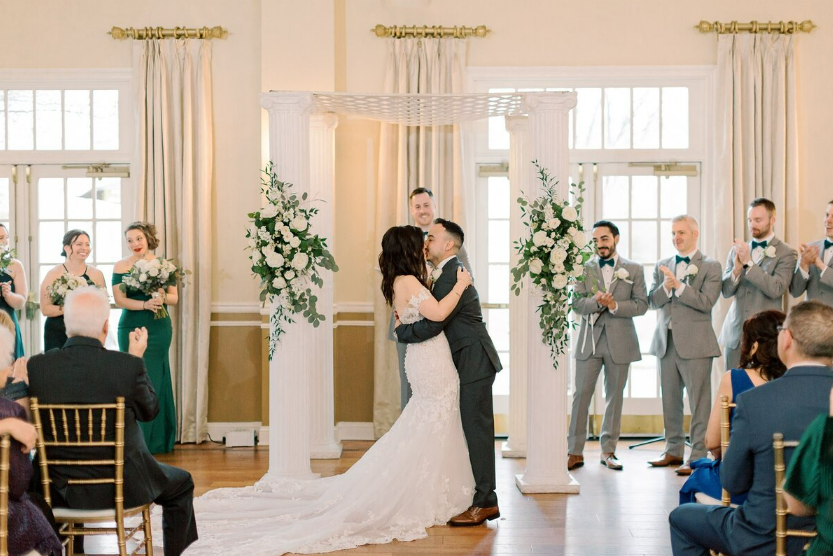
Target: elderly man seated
(83, 371)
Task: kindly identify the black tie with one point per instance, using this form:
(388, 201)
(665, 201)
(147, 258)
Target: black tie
(685, 260)
(606, 262)
(756, 244)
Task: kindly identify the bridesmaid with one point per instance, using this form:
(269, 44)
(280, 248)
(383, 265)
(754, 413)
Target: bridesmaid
(14, 291)
(138, 311)
(76, 250)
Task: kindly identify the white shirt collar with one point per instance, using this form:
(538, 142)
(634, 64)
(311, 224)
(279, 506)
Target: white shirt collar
(442, 264)
(689, 255)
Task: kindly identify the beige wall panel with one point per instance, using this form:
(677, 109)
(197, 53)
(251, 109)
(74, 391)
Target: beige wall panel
(234, 374)
(353, 351)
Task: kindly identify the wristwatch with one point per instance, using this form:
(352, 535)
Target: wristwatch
(748, 264)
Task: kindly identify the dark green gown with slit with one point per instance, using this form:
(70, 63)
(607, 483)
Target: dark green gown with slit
(54, 329)
(18, 343)
(160, 433)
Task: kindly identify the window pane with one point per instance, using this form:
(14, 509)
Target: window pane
(588, 119)
(108, 198)
(498, 136)
(5, 202)
(666, 242)
(673, 196)
(674, 117)
(645, 326)
(107, 271)
(499, 241)
(21, 120)
(615, 197)
(51, 199)
(48, 107)
(77, 119)
(643, 378)
(645, 249)
(85, 225)
(49, 242)
(79, 197)
(498, 283)
(499, 328)
(644, 197)
(617, 129)
(645, 118)
(500, 387)
(499, 201)
(2, 120)
(106, 120)
(107, 241)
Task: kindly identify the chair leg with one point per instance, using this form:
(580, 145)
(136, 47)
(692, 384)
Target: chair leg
(148, 535)
(71, 543)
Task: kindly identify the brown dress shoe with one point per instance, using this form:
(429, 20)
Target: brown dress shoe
(475, 516)
(574, 461)
(611, 462)
(684, 470)
(665, 460)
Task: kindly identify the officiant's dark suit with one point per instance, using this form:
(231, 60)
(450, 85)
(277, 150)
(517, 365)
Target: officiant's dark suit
(477, 362)
(85, 372)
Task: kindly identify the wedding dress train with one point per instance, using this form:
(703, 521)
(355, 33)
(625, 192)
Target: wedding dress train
(415, 476)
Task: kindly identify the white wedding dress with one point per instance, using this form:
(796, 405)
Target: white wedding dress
(415, 476)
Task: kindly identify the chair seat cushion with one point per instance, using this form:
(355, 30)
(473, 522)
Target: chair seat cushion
(70, 514)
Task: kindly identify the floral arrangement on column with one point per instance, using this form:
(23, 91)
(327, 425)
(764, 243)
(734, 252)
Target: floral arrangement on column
(553, 253)
(286, 255)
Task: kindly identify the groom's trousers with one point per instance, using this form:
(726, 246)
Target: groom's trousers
(478, 419)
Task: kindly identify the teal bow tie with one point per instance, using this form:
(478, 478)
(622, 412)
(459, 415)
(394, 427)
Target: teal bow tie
(685, 260)
(756, 244)
(606, 262)
(828, 244)
(424, 235)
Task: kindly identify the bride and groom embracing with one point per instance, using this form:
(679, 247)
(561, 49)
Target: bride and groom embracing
(435, 465)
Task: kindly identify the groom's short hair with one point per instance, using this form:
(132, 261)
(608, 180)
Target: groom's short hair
(452, 229)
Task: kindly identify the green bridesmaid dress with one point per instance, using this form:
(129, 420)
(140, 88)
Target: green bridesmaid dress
(18, 343)
(160, 433)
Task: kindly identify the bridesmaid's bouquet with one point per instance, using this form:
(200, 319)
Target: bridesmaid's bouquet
(149, 275)
(58, 290)
(7, 256)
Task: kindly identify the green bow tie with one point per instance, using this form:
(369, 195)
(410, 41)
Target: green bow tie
(606, 262)
(828, 244)
(685, 260)
(761, 244)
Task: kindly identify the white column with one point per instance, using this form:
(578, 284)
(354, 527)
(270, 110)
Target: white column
(546, 463)
(290, 369)
(323, 443)
(519, 160)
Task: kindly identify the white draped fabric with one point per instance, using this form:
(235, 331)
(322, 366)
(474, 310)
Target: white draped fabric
(755, 142)
(173, 191)
(411, 157)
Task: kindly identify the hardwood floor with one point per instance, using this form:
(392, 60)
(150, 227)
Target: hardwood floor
(617, 513)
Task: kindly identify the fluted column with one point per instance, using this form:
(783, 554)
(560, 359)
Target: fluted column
(546, 459)
(323, 444)
(519, 160)
(291, 368)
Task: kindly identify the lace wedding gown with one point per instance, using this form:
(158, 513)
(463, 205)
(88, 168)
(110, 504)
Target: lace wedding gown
(415, 476)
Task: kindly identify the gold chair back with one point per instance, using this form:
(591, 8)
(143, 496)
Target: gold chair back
(5, 447)
(781, 512)
(725, 431)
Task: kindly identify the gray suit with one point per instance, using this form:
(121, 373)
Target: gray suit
(817, 287)
(687, 361)
(611, 342)
(404, 386)
(758, 288)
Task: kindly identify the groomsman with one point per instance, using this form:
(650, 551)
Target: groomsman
(814, 274)
(611, 295)
(685, 289)
(423, 210)
(757, 275)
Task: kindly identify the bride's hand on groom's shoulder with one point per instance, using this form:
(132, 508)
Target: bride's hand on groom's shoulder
(464, 277)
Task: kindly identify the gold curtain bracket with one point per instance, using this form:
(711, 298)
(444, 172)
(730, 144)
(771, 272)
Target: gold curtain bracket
(782, 27)
(432, 31)
(147, 33)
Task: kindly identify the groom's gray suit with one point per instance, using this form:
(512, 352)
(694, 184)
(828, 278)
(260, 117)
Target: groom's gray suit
(684, 342)
(610, 342)
(818, 286)
(477, 362)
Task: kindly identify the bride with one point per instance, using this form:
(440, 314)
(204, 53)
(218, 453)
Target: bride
(415, 476)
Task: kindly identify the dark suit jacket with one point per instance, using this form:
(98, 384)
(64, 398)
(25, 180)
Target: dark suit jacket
(472, 349)
(786, 405)
(83, 371)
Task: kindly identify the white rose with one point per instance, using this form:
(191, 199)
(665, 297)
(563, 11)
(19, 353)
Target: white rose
(560, 281)
(153, 272)
(571, 231)
(622, 274)
(289, 274)
(557, 267)
(569, 214)
(269, 211)
(770, 251)
(275, 260)
(264, 234)
(143, 278)
(539, 238)
(294, 242)
(268, 250)
(299, 223)
(255, 255)
(564, 242)
(558, 255)
(536, 266)
(554, 223)
(578, 270)
(579, 239)
(300, 261)
(279, 283)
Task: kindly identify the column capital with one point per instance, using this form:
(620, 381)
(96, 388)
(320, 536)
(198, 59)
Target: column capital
(516, 123)
(287, 101)
(539, 102)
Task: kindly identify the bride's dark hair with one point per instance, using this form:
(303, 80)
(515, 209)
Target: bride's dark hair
(401, 256)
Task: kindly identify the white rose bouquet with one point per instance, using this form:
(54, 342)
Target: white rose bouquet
(58, 290)
(552, 255)
(149, 275)
(7, 256)
(286, 255)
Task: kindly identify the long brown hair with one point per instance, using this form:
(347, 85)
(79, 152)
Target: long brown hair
(762, 328)
(401, 255)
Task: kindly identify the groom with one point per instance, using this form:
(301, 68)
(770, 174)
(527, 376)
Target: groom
(476, 360)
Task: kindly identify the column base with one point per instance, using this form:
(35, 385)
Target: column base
(326, 450)
(542, 485)
(274, 477)
(509, 450)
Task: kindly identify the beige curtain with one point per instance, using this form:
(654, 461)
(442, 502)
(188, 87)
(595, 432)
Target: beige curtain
(174, 189)
(755, 142)
(410, 157)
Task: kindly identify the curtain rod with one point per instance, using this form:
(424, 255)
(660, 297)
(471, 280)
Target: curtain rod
(783, 27)
(434, 31)
(146, 33)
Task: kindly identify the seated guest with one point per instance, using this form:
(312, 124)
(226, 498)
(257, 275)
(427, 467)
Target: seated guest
(759, 364)
(787, 405)
(14, 381)
(809, 484)
(83, 371)
(28, 527)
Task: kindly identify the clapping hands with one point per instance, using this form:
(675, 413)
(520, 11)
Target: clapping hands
(138, 341)
(809, 254)
(605, 299)
(671, 282)
(743, 254)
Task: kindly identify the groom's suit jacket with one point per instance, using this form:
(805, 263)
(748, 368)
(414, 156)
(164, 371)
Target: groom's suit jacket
(818, 287)
(759, 288)
(690, 313)
(472, 349)
(619, 329)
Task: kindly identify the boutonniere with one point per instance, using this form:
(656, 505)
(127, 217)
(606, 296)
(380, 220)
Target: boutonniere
(690, 273)
(435, 275)
(623, 274)
(769, 252)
